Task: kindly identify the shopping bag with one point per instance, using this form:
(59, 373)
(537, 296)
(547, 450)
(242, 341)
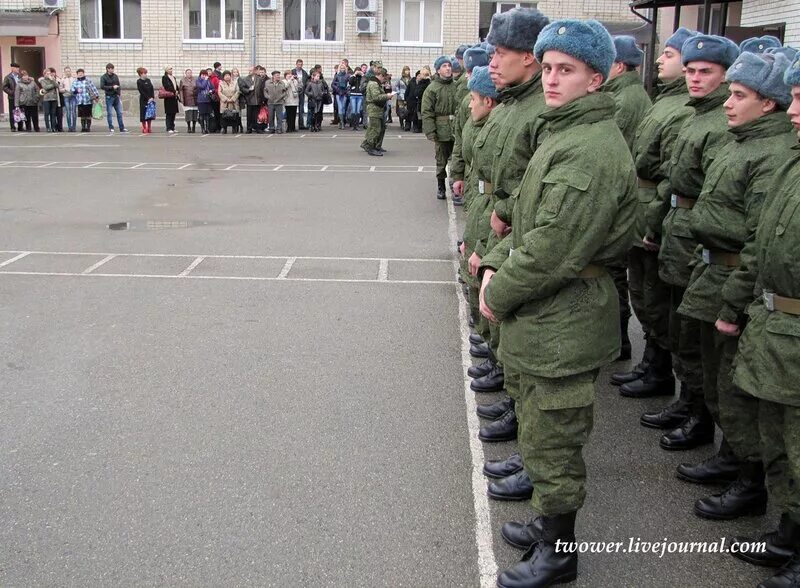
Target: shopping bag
(263, 115)
(19, 115)
(97, 111)
(150, 111)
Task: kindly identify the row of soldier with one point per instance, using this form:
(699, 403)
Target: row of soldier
(580, 195)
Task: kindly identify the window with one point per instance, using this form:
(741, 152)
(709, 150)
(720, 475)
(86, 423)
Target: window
(488, 9)
(313, 20)
(111, 19)
(417, 22)
(212, 19)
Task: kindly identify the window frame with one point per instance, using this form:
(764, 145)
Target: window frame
(221, 40)
(98, 24)
(322, 12)
(421, 29)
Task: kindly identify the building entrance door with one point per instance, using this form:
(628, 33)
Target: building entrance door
(31, 59)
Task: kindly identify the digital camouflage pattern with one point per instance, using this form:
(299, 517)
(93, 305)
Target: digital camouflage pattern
(632, 103)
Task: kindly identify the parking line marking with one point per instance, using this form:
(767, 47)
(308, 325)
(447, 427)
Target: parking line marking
(198, 260)
(324, 167)
(7, 162)
(287, 267)
(92, 164)
(102, 262)
(278, 168)
(383, 270)
(13, 259)
(47, 164)
(185, 165)
(211, 256)
(138, 165)
(420, 168)
(372, 168)
(230, 167)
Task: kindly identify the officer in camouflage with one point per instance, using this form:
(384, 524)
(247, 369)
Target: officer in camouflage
(375, 99)
(438, 110)
(767, 363)
(546, 282)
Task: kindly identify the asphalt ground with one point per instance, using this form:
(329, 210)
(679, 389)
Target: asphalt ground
(259, 379)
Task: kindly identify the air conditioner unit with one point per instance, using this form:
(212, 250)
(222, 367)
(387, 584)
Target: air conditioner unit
(365, 5)
(54, 4)
(266, 4)
(366, 25)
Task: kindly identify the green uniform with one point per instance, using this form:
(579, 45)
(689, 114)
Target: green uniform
(461, 87)
(699, 140)
(573, 215)
(632, 102)
(652, 149)
(438, 110)
(722, 283)
(457, 166)
(767, 364)
(375, 99)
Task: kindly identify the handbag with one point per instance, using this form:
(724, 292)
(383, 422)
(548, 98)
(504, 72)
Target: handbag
(263, 115)
(326, 96)
(97, 111)
(163, 94)
(230, 115)
(150, 111)
(19, 115)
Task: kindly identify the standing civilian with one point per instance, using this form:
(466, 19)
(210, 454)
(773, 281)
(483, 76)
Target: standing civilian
(26, 96)
(341, 88)
(9, 87)
(49, 93)
(302, 77)
(356, 92)
(215, 77)
(275, 92)
(109, 82)
(292, 99)
(147, 95)
(229, 103)
(314, 92)
(186, 90)
(86, 95)
(169, 84)
(70, 105)
(204, 90)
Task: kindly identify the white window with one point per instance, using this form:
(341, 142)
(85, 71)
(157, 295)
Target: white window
(111, 19)
(488, 9)
(212, 19)
(417, 22)
(313, 20)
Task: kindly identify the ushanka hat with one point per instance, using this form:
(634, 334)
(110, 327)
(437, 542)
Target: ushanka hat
(759, 44)
(440, 61)
(792, 75)
(517, 28)
(475, 57)
(762, 73)
(628, 51)
(711, 48)
(585, 40)
(481, 82)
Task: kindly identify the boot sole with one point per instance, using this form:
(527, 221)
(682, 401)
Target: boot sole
(507, 498)
(685, 447)
(485, 390)
(504, 439)
(705, 482)
(564, 579)
(497, 476)
(479, 356)
(757, 511)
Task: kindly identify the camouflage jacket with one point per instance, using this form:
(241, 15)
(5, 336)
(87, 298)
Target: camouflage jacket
(438, 108)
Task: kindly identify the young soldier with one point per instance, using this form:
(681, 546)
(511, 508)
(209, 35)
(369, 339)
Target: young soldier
(768, 360)
(438, 109)
(625, 85)
(473, 156)
(706, 59)
(649, 296)
(722, 282)
(375, 100)
(460, 79)
(514, 125)
(472, 58)
(573, 216)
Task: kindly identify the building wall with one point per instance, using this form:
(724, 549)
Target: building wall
(764, 12)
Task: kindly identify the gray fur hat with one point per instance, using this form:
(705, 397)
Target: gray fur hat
(679, 37)
(585, 40)
(475, 57)
(460, 51)
(711, 48)
(440, 61)
(792, 75)
(759, 44)
(456, 65)
(488, 47)
(762, 73)
(628, 51)
(517, 29)
(789, 52)
(482, 83)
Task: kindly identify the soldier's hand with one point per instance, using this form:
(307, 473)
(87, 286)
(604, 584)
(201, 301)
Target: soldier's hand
(729, 329)
(485, 310)
(431, 136)
(650, 245)
(458, 187)
(474, 263)
(500, 228)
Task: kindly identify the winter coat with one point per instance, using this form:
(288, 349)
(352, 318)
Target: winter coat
(375, 99)
(292, 92)
(170, 104)
(26, 93)
(438, 108)
(632, 102)
(50, 88)
(203, 90)
(228, 95)
(107, 83)
(275, 92)
(341, 84)
(315, 90)
(186, 88)
(355, 83)
(85, 91)
(476, 228)
(457, 163)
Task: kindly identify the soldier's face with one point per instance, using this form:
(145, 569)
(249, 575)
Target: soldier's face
(479, 106)
(565, 79)
(794, 108)
(669, 65)
(445, 70)
(745, 105)
(703, 77)
(509, 67)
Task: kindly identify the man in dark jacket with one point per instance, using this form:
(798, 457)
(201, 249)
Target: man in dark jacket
(9, 85)
(109, 82)
(302, 76)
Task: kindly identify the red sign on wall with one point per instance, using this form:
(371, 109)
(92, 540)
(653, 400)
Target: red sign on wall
(26, 40)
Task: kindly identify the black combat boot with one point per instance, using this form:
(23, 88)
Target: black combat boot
(656, 381)
(503, 429)
(483, 368)
(522, 535)
(515, 487)
(722, 468)
(625, 341)
(479, 351)
(780, 546)
(671, 415)
(747, 496)
(619, 378)
(503, 469)
(787, 577)
(495, 410)
(441, 191)
(548, 561)
(491, 382)
(476, 339)
(695, 431)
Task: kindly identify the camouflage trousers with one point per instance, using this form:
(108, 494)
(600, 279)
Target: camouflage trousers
(556, 416)
(443, 150)
(779, 425)
(684, 336)
(620, 276)
(735, 411)
(649, 295)
(376, 129)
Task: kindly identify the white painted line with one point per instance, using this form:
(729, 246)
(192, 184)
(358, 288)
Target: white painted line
(48, 164)
(194, 264)
(324, 168)
(278, 168)
(420, 168)
(184, 166)
(8, 162)
(372, 168)
(92, 164)
(102, 262)
(13, 259)
(487, 565)
(333, 136)
(302, 136)
(287, 267)
(383, 270)
(138, 165)
(238, 135)
(230, 167)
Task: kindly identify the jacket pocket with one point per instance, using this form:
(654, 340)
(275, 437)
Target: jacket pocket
(558, 183)
(564, 393)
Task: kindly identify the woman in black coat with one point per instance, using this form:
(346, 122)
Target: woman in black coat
(146, 94)
(422, 83)
(170, 84)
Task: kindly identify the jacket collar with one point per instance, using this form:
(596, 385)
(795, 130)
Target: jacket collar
(588, 109)
(629, 78)
(769, 125)
(520, 91)
(674, 88)
(711, 101)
